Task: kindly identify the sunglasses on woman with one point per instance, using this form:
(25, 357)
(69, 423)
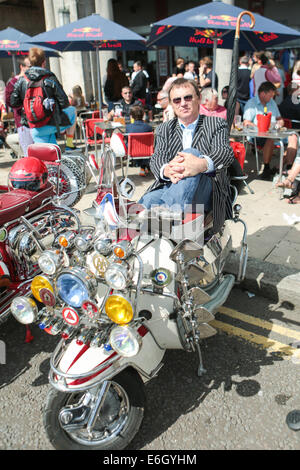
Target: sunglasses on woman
(186, 98)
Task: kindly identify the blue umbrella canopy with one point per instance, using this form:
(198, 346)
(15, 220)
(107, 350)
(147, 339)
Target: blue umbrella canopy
(199, 26)
(14, 42)
(91, 33)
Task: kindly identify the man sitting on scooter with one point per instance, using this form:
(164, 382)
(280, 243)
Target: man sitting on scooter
(191, 157)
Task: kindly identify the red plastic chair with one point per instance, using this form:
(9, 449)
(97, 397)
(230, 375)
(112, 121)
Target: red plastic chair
(90, 126)
(140, 146)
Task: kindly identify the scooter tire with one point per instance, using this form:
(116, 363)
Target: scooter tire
(130, 381)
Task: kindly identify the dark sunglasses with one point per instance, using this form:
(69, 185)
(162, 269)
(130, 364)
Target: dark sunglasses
(186, 98)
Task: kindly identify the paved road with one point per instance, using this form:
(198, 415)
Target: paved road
(241, 403)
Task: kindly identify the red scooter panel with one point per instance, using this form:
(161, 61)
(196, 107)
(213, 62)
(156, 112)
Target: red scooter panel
(18, 202)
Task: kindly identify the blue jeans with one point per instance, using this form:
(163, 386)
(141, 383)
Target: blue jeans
(191, 190)
(46, 134)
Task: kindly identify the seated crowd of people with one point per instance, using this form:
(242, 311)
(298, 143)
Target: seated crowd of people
(263, 86)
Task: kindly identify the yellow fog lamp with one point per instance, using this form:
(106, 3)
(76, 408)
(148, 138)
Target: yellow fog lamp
(41, 285)
(119, 309)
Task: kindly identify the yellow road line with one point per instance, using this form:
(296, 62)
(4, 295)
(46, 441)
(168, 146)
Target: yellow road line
(263, 341)
(261, 323)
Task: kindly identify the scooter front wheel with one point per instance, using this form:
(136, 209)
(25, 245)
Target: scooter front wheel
(119, 419)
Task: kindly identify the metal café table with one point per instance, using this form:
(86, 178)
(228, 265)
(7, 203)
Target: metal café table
(108, 127)
(276, 135)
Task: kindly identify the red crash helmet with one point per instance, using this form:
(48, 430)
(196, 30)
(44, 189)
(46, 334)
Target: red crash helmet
(28, 173)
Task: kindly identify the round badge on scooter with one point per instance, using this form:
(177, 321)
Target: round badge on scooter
(161, 277)
(90, 309)
(70, 316)
(47, 297)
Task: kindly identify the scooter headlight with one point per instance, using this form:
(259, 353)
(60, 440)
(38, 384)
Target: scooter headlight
(75, 287)
(119, 309)
(41, 285)
(125, 341)
(24, 310)
(49, 262)
(103, 246)
(117, 276)
(84, 242)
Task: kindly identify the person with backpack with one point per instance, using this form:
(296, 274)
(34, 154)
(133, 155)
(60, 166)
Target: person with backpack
(46, 108)
(19, 141)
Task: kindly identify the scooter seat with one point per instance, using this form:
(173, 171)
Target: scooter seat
(46, 152)
(19, 202)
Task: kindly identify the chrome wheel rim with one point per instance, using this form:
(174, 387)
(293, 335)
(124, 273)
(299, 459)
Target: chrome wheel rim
(112, 419)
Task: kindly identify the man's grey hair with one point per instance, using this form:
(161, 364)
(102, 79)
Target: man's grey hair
(244, 60)
(163, 93)
(207, 94)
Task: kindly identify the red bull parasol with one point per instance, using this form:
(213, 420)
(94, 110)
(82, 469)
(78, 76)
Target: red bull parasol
(183, 29)
(92, 33)
(14, 43)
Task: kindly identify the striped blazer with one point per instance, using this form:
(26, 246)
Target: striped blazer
(211, 139)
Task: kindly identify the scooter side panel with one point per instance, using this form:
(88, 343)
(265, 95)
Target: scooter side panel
(80, 359)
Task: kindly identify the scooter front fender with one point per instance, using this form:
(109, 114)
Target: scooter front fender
(79, 366)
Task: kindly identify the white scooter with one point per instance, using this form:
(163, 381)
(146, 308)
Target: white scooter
(120, 295)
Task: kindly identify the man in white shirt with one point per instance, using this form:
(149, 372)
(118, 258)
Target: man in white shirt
(191, 157)
(257, 105)
(190, 74)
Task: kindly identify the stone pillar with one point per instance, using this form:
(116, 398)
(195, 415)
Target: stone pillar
(51, 24)
(104, 8)
(223, 63)
(71, 62)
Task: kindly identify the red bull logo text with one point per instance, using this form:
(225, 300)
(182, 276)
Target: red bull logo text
(8, 44)
(203, 41)
(225, 20)
(18, 53)
(207, 33)
(108, 44)
(86, 32)
(206, 38)
(161, 29)
(266, 37)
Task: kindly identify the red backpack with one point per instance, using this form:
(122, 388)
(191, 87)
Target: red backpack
(37, 115)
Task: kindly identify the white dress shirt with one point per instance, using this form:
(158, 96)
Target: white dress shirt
(187, 139)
